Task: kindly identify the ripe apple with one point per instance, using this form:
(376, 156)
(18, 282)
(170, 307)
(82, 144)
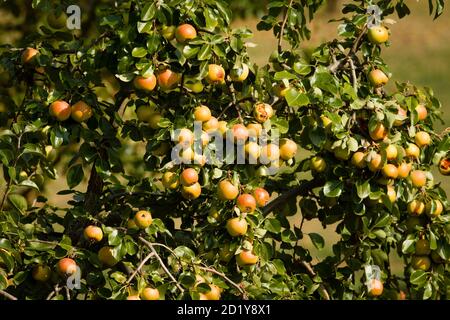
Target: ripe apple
(252, 151)
(416, 207)
(170, 180)
(185, 137)
(421, 263)
(133, 297)
(66, 267)
(240, 74)
(378, 78)
(168, 32)
(421, 112)
(41, 273)
(412, 151)
(153, 120)
(379, 132)
(318, 164)
(211, 125)
(341, 153)
(202, 113)
(150, 294)
(401, 116)
(378, 35)
(213, 294)
(269, 153)
(418, 178)
(145, 84)
(391, 152)
(422, 247)
(403, 170)
(376, 288)
(50, 153)
(143, 219)
(375, 163)
(81, 111)
(436, 211)
(222, 127)
(239, 132)
(191, 192)
(29, 55)
(359, 159)
(187, 155)
(262, 112)
(204, 138)
(288, 149)
(327, 123)
(188, 177)
(168, 79)
(194, 86)
(246, 203)
(216, 73)
(390, 171)
(422, 139)
(132, 225)
(392, 195)
(254, 129)
(93, 233)
(261, 196)
(227, 191)
(281, 90)
(444, 166)
(60, 110)
(105, 255)
(185, 32)
(236, 227)
(246, 258)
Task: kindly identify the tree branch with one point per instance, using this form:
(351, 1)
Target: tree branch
(143, 262)
(234, 284)
(283, 25)
(313, 274)
(7, 295)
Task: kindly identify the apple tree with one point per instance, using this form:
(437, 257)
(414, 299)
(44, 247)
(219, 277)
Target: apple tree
(129, 113)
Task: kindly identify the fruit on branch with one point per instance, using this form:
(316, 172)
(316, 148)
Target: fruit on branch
(222, 127)
(390, 171)
(168, 79)
(281, 90)
(153, 120)
(246, 203)
(392, 195)
(191, 192)
(41, 273)
(422, 247)
(421, 263)
(226, 190)
(262, 197)
(359, 159)
(239, 132)
(412, 151)
(418, 178)
(421, 112)
(144, 112)
(246, 258)
(262, 112)
(434, 208)
(318, 164)
(66, 267)
(378, 34)
(327, 123)
(288, 149)
(378, 78)
(416, 207)
(254, 129)
(240, 74)
(168, 32)
(194, 86)
(188, 177)
(375, 162)
(143, 219)
(202, 113)
(216, 73)
(132, 225)
(150, 294)
(341, 153)
(185, 32)
(29, 55)
(213, 294)
(422, 139)
(269, 153)
(60, 110)
(404, 169)
(93, 233)
(237, 227)
(444, 166)
(50, 153)
(185, 137)
(81, 111)
(391, 152)
(379, 132)
(145, 84)
(211, 125)
(106, 257)
(376, 287)
(252, 151)
(402, 114)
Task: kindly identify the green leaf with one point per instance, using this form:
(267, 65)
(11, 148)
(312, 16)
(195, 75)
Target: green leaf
(19, 202)
(333, 188)
(317, 240)
(408, 246)
(184, 253)
(284, 75)
(75, 175)
(363, 189)
(428, 291)
(148, 12)
(295, 98)
(204, 53)
(272, 225)
(139, 52)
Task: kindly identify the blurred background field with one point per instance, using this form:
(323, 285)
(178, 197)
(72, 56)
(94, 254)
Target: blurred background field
(419, 52)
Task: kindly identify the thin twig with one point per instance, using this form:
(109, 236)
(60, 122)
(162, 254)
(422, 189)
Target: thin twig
(283, 25)
(313, 274)
(150, 246)
(354, 79)
(7, 295)
(143, 262)
(234, 284)
(54, 292)
(67, 293)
